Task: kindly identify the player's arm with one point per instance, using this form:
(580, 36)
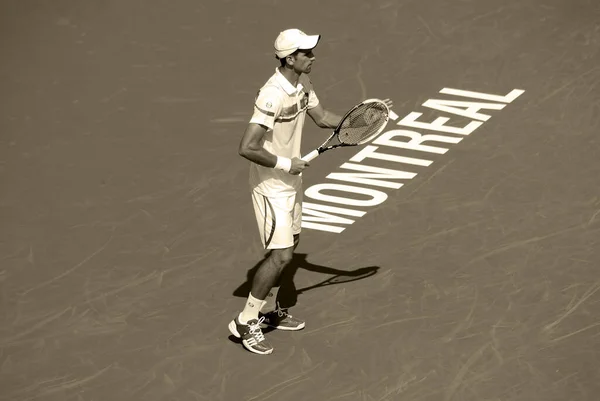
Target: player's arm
(251, 148)
(324, 118)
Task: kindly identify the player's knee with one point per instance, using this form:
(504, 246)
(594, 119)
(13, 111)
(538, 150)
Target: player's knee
(282, 257)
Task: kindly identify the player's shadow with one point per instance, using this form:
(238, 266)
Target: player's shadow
(288, 293)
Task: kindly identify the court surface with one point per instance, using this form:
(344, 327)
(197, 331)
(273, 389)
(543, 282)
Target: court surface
(127, 227)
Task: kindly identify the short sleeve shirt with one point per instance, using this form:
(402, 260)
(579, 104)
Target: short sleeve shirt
(281, 107)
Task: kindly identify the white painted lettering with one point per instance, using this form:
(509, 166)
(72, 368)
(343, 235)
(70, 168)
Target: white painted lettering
(438, 124)
(465, 109)
(370, 152)
(314, 214)
(323, 227)
(375, 197)
(515, 93)
(416, 141)
(373, 176)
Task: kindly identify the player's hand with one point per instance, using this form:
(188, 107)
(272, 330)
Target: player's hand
(298, 166)
(388, 103)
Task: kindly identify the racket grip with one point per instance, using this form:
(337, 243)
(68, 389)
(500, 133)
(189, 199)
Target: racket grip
(311, 155)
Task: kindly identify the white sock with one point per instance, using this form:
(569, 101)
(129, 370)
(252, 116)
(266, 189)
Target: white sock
(270, 304)
(251, 309)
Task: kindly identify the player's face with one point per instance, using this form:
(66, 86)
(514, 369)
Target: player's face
(303, 61)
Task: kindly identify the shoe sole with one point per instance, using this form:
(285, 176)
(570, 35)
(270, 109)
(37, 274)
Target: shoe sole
(233, 329)
(284, 328)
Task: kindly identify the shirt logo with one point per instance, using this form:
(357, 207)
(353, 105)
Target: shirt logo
(269, 105)
(304, 101)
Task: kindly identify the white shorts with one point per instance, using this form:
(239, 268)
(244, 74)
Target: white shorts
(279, 219)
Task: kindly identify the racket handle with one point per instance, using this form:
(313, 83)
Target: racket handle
(311, 156)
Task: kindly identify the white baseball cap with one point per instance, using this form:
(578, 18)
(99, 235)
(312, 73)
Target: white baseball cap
(291, 40)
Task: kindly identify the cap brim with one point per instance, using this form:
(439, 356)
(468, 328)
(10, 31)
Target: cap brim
(310, 42)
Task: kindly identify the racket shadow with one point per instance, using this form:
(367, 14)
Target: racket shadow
(288, 293)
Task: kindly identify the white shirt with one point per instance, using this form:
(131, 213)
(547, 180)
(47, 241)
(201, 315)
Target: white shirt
(281, 108)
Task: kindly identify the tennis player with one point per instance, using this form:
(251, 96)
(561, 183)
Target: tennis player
(271, 143)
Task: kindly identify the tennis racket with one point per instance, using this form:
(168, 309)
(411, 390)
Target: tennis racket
(361, 124)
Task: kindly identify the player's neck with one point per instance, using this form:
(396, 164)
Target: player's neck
(291, 75)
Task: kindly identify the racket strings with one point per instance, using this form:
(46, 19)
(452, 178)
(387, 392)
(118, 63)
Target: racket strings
(363, 122)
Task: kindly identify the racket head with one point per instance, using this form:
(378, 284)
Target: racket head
(363, 122)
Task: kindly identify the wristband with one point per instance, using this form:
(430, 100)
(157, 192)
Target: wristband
(283, 163)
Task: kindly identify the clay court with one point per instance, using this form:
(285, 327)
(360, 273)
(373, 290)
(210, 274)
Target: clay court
(128, 235)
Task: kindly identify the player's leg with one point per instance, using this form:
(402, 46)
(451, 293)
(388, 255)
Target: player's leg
(270, 303)
(274, 217)
(271, 300)
(269, 272)
(273, 315)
